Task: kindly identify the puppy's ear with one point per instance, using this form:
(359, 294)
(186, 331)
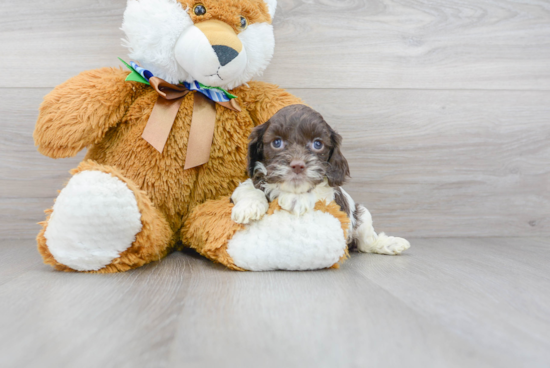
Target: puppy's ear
(338, 168)
(256, 147)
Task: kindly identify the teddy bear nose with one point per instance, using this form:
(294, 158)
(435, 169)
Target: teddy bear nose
(298, 166)
(225, 54)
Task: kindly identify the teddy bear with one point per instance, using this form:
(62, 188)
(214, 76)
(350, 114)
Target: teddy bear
(162, 138)
(167, 143)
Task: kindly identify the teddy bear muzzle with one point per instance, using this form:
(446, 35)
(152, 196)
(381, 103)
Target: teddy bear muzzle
(223, 39)
(212, 53)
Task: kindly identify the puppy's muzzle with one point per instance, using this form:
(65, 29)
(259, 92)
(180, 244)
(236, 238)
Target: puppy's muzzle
(223, 39)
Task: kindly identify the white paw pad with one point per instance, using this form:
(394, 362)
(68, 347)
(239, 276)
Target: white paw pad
(247, 210)
(284, 241)
(94, 219)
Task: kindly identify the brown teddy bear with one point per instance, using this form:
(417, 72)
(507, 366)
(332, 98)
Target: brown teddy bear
(127, 201)
(162, 138)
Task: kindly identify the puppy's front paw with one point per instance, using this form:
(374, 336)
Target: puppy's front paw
(247, 210)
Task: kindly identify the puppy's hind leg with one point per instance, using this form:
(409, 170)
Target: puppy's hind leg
(369, 242)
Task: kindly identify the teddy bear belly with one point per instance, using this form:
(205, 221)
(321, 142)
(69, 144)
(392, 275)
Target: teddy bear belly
(172, 189)
(283, 241)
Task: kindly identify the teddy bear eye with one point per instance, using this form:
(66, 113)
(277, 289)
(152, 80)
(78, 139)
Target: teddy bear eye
(277, 143)
(318, 145)
(244, 23)
(199, 9)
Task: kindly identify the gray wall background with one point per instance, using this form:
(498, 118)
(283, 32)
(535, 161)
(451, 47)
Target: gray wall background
(444, 105)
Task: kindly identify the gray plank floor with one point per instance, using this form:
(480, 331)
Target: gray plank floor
(446, 303)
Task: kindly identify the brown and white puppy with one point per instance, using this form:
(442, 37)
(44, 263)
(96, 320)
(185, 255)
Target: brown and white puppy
(296, 158)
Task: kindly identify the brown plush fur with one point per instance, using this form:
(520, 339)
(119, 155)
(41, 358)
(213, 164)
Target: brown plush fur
(210, 228)
(334, 209)
(230, 12)
(99, 110)
(151, 244)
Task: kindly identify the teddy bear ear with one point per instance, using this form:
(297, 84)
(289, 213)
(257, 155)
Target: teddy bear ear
(272, 6)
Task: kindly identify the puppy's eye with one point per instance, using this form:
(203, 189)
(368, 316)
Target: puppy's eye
(317, 145)
(244, 23)
(277, 143)
(199, 9)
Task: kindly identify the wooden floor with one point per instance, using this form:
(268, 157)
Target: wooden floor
(479, 302)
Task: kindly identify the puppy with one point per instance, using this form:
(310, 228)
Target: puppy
(295, 157)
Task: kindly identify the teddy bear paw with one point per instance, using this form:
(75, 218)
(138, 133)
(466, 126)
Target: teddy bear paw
(94, 219)
(247, 210)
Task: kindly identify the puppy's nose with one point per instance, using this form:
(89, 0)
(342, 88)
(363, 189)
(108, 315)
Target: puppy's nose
(225, 54)
(298, 166)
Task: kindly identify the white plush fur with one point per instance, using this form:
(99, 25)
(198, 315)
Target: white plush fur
(284, 241)
(272, 6)
(250, 203)
(162, 37)
(259, 43)
(152, 28)
(94, 219)
(299, 238)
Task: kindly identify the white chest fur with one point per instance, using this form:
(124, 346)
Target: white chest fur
(301, 202)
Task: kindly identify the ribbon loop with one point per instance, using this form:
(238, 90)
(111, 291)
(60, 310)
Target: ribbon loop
(165, 111)
(167, 90)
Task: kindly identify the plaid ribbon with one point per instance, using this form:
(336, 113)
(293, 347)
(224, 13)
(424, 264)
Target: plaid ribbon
(215, 94)
(143, 72)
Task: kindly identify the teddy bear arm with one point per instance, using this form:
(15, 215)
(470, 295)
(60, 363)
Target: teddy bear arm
(80, 111)
(264, 100)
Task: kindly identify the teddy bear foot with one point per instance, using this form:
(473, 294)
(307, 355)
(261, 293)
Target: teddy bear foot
(96, 219)
(279, 241)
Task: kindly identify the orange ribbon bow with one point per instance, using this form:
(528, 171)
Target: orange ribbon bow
(203, 121)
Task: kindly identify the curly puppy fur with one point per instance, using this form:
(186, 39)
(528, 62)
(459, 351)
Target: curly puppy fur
(296, 158)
